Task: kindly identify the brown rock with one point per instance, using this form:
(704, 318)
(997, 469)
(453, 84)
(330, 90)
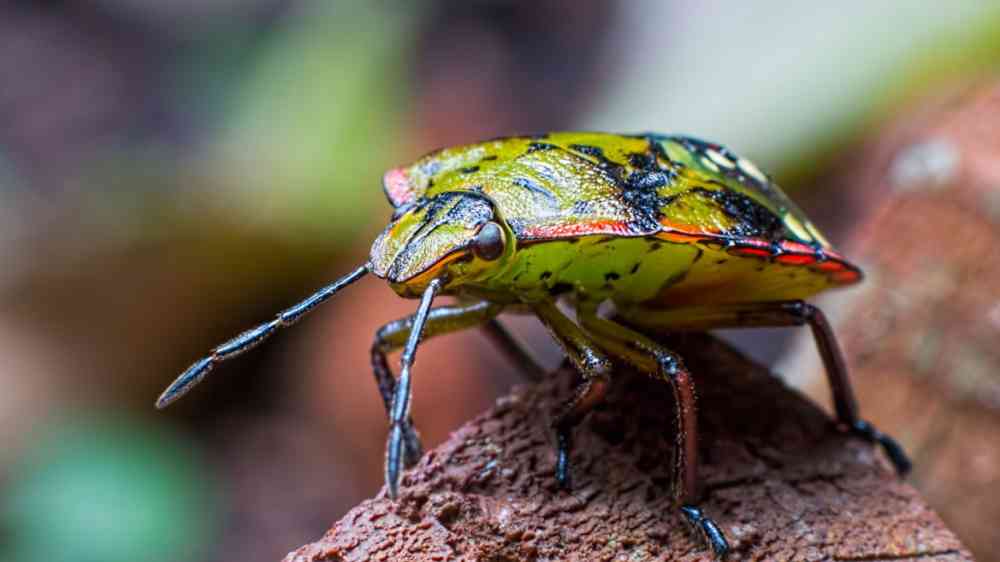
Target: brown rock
(923, 333)
(779, 479)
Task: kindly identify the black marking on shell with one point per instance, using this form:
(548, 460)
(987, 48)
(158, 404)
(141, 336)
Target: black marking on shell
(615, 173)
(640, 189)
(673, 280)
(489, 158)
(635, 268)
(545, 275)
(469, 170)
(640, 192)
(643, 161)
(581, 207)
(536, 146)
(611, 276)
(752, 218)
(593, 151)
(535, 188)
(698, 256)
(647, 181)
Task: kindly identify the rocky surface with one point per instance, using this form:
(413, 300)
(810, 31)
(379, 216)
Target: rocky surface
(777, 476)
(922, 334)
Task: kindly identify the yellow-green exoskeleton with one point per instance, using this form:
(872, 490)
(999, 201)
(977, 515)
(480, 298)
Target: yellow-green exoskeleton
(676, 233)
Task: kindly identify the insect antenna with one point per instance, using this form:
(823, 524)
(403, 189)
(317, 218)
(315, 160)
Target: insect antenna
(253, 337)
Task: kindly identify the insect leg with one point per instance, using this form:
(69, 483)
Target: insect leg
(774, 314)
(592, 363)
(252, 338)
(400, 410)
(393, 336)
(654, 359)
(513, 349)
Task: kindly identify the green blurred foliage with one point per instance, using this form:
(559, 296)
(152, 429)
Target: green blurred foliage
(107, 489)
(309, 133)
(954, 57)
(960, 56)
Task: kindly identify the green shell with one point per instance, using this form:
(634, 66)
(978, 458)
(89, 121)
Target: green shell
(565, 184)
(635, 218)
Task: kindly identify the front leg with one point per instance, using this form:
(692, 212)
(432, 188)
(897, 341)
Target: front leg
(393, 336)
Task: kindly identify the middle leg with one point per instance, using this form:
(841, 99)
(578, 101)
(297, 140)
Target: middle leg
(592, 364)
(646, 355)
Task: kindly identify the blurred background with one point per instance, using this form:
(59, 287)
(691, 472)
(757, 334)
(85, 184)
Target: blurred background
(174, 172)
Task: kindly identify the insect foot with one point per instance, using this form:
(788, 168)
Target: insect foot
(892, 448)
(707, 529)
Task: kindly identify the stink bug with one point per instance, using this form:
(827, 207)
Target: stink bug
(676, 233)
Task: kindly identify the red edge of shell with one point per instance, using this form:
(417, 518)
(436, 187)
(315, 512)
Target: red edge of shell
(824, 261)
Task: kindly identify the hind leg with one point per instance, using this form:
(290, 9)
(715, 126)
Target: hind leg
(659, 362)
(776, 314)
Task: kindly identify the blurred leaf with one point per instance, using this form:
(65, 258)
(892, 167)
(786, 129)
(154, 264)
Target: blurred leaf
(310, 133)
(970, 53)
(956, 55)
(106, 490)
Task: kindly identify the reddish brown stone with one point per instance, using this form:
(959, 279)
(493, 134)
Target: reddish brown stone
(778, 478)
(923, 333)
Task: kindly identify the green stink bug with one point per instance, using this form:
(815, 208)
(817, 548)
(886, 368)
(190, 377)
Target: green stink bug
(676, 233)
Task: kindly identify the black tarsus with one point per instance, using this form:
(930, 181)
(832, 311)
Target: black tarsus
(401, 400)
(252, 338)
(844, 401)
(707, 528)
(897, 455)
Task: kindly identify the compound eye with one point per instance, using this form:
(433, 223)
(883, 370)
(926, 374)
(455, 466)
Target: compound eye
(489, 243)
